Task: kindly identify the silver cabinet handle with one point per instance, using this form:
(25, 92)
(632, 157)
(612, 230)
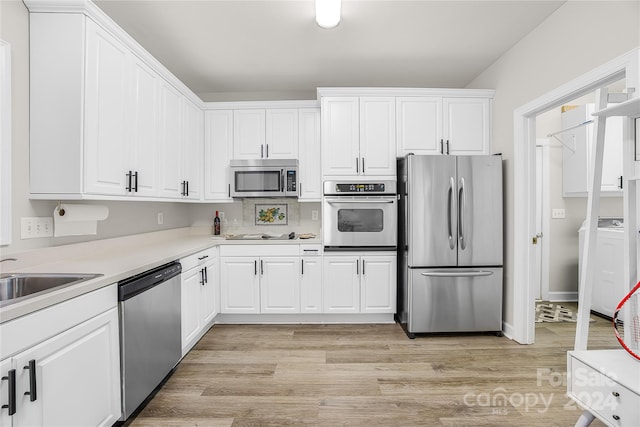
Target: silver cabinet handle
(462, 206)
(363, 165)
(261, 151)
(357, 165)
(474, 273)
(267, 151)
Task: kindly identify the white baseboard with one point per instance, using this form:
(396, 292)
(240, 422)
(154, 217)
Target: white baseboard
(302, 318)
(563, 296)
(507, 330)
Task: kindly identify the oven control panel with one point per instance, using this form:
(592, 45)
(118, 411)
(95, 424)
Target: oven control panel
(359, 187)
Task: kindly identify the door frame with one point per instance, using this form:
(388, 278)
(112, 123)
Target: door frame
(626, 66)
(543, 211)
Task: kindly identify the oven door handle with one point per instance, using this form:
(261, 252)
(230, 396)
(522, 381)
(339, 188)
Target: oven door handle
(333, 202)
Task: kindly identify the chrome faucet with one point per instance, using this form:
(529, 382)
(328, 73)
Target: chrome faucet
(8, 259)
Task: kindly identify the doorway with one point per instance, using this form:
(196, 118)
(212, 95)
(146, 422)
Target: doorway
(623, 67)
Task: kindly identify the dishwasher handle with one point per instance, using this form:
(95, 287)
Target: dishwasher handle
(132, 286)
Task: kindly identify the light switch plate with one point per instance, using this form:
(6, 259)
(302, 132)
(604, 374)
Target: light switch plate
(557, 213)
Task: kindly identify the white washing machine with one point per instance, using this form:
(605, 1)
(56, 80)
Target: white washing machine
(608, 284)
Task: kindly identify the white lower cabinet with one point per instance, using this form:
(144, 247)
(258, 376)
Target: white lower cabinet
(200, 285)
(70, 379)
(310, 281)
(240, 285)
(273, 280)
(359, 284)
(279, 285)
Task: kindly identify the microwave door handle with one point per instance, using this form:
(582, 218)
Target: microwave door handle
(282, 181)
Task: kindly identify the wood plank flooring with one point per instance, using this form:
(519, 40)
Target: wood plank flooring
(369, 375)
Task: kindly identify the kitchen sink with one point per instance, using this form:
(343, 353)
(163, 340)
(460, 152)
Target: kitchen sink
(16, 287)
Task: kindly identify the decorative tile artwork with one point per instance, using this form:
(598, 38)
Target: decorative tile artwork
(271, 214)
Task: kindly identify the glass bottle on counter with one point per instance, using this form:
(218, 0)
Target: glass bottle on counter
(216, 225)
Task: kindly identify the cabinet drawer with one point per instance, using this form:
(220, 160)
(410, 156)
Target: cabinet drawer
(310, 250)
(260, 250)
(602, 395)
(198, 258)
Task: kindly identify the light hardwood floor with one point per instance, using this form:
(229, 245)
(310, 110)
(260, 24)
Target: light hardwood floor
(369, 375)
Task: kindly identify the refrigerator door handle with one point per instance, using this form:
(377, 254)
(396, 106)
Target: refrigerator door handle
(474, 273)
(452, 243)
(462, 205)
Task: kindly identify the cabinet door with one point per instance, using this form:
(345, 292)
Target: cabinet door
(281, 139)
(340, 136)
(171, 146)
(106, 108)
(249, 134)
(311, 285)
(77, 377)
(208, 292)
(190, 306)
(419, 125)
(467, 125)
(378, 284)
(341, 282)
(279, 285)
(5, 366)
(193, 129)
(144, 129)
(310, 179)
(612, 158)
(218, 149)
(239, 285)
(378, 136)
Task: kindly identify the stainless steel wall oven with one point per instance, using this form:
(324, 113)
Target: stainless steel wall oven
(359, 215)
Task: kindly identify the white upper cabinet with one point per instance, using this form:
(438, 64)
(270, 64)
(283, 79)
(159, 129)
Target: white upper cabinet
(260, 133)
(193, 137)
(143, 151)
(577, 152)
(249, 134)
(419, 125)
(358, 136)
(106, 102)
(170, 142)
(106, 119)
(378, 136)
(310, 180)
(443, 125)
(467, 125)
(281, 140)
(218, 149)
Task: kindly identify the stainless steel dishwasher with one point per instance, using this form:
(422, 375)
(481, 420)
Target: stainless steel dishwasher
(150, 342)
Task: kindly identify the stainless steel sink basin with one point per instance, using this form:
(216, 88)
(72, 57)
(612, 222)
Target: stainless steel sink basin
(16, 287)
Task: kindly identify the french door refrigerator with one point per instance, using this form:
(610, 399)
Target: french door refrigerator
(450, 244)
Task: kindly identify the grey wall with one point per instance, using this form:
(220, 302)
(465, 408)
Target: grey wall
(562, 48)
(125, 218)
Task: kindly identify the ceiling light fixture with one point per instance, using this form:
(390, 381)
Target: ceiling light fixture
(328, 13)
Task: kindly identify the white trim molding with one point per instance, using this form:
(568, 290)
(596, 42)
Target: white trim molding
(5, 144)
(626, 67)
(394, 91)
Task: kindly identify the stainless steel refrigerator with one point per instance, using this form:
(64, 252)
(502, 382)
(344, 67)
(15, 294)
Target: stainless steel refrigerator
(450, 244)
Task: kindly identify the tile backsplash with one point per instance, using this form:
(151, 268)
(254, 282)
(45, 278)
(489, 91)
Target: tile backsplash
(239, 216)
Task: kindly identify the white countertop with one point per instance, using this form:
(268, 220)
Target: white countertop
(115, 259)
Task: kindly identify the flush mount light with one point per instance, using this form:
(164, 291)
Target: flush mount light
(327, 13)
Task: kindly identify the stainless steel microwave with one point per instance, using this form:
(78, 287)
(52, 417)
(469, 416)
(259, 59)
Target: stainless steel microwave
(264, 178)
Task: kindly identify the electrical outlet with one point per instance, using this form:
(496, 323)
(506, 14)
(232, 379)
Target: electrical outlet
(44, 227)
(314, 215)
(557, 213)
(160, 218)
(27, 228)
(34, 227)
(221, 214)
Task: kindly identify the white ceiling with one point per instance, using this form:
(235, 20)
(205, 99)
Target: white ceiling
(273, 49)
